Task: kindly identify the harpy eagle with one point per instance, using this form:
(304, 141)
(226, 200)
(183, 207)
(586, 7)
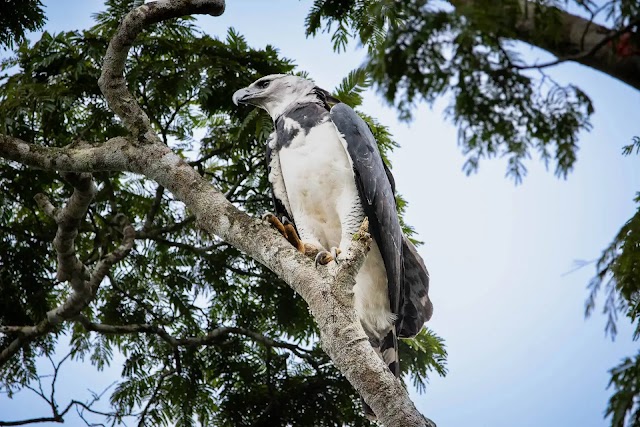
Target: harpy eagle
(326, 175)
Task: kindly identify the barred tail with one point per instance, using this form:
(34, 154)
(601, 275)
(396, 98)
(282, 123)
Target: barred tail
(389, 352)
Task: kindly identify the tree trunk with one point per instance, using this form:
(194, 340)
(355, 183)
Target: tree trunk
(614, 52)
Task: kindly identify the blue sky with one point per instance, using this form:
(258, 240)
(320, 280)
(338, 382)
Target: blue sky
(520, 351)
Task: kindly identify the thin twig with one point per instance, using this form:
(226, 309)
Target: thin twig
(155, 206)
(211, 338)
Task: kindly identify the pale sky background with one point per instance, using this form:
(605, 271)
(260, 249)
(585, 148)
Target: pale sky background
(520, 351)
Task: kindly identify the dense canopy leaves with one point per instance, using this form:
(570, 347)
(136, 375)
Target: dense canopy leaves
(272, 371)
(190, 283)
(16, 18)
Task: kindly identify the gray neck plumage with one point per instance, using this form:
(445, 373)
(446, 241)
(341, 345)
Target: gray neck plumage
(298, 119)
(315, 96)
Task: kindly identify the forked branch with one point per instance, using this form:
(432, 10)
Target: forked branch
(84, 282)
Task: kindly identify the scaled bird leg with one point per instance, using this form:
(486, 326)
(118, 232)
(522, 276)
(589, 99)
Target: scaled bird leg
(286, 228)
(291, 235)
(274, 221)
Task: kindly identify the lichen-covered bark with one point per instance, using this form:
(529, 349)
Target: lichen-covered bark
(112, 82)
(327, 292)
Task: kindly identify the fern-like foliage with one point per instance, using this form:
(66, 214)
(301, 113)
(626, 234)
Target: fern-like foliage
(350, 89)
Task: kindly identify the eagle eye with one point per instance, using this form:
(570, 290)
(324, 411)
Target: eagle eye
(263, 84)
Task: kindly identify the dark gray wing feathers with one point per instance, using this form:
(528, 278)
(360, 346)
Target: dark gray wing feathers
(278, 205)
(376, 195)
(416, 306)
(407, 276)
(390, 177)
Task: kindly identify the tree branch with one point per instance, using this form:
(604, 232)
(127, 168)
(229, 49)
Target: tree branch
(328, 295)
(69, 219)
(156, 233)
(57, 415)
(84, 283)
(58, 419)
(578, 39)
(112, 82)
(585, 54)
(155, 206)
(113, 155)
(212, 337)
(185, 246)
(211, 154)
(156, 390)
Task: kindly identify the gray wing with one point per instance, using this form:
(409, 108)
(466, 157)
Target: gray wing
(376, 195)
(416, 306)
(407, 276)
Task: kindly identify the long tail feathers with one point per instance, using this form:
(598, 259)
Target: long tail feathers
(387, 350)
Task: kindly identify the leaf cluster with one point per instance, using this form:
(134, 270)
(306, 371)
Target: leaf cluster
(17, 17)
(623, 404)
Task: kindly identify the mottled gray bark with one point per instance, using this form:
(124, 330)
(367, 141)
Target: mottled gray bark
(611, 51)
(327, 292)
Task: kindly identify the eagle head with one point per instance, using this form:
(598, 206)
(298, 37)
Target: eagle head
(274, 93)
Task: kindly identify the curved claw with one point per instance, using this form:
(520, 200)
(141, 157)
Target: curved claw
(323, 258)
(334, 253)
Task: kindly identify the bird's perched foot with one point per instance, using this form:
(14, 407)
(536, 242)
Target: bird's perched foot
(325, 257)
(311, 250)
(292, 235)
(287, 229)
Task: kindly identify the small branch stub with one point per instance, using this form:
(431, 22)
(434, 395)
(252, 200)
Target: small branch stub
(345, 277)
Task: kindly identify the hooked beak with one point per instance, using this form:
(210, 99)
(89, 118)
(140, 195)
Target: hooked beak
(241, 96)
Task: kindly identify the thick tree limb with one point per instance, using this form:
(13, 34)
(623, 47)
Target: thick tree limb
(611, 37)
(579, 40)
(328, 295)
(113, 155)
(112, 82)
(68, 219)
